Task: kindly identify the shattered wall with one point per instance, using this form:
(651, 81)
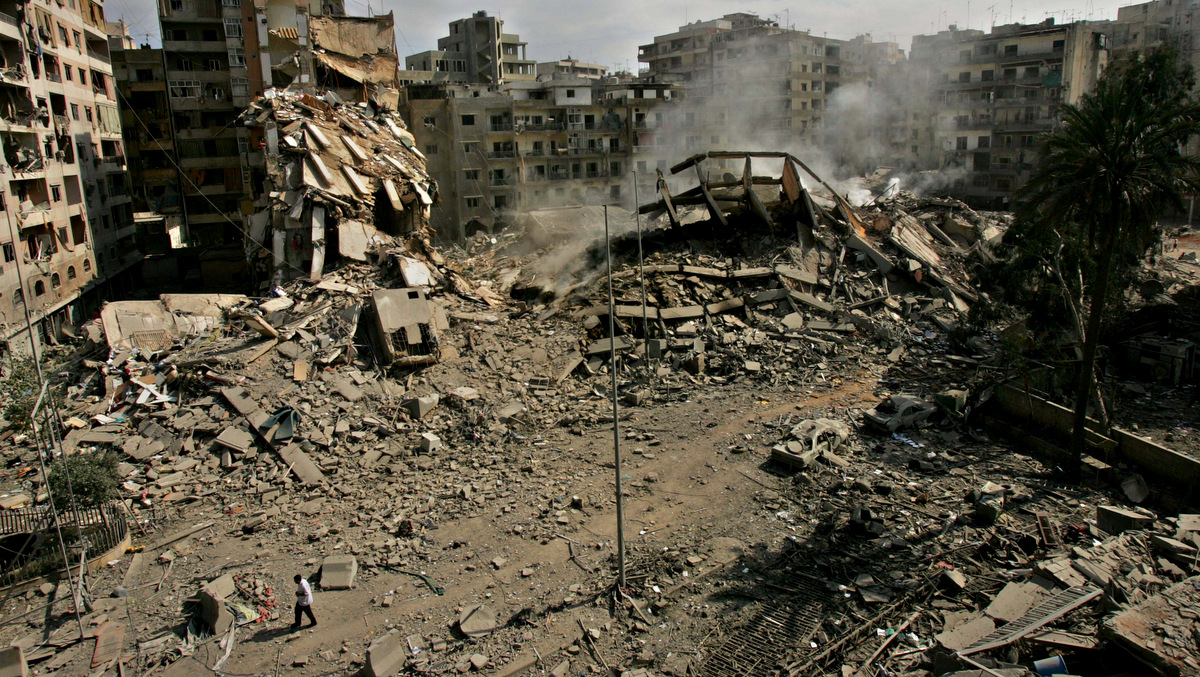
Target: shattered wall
(329, 162)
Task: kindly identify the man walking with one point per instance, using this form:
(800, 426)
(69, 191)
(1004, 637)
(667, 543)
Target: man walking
(303, 601)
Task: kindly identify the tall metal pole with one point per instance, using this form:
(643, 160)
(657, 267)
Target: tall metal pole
(641, 268)
(612, 356)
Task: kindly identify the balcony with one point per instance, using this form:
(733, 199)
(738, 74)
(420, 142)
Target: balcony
(506, 127)
(97, 55)
(546, 127)
(195, 46)
(537, 152)
(501, 154)
(497, 181)
(54, 77)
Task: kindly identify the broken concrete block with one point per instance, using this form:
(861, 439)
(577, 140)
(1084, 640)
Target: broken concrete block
(338, 572)
(386, 655)
(213, 612)
(477, 621)
(12, 662)
(430, 443)
(419, 407)
(695, 364)
(793, 321)
(1114, 520)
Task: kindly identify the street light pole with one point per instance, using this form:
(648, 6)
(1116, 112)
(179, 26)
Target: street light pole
(612, 352)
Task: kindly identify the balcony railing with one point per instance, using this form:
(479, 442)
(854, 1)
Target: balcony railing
(505, 127)
(500, 154)
(12, 20)
(96, 55)
(501, 181)
(54, 77)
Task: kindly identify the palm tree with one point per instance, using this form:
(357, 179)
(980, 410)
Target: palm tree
(1104, 176)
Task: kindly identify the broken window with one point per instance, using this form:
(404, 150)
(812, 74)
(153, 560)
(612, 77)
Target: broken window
(468, 120)
(471, 174)
(237, 57)
(471, 202)
(1060, 45)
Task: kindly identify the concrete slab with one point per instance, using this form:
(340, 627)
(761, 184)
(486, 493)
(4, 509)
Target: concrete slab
(386, 655)
(338, 572)
(966, 633)
(477, 621)
(1014, 600)
(1114, 520)
(12, 662)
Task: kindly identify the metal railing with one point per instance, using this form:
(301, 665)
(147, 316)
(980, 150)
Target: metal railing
(96, 55)
(500, 154)
(53, 77)
(12, 20)
(97, 530)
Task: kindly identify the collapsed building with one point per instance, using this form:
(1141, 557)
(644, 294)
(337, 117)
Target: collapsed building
(342, 180)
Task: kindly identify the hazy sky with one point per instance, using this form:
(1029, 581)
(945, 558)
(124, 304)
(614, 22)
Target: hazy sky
(609, 31)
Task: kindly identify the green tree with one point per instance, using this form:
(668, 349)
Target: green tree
(94, 479)
(20, 390)
(1103, 178)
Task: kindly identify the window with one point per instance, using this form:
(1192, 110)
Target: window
(87, 265)
(213, 65)
(237, 57)
(87, 113)
(62, 35)
(239, 86)
(56, 193)
(183, 89)
(185, 65)
(984, 142)
(233, 27)
(960, 143)
(78, 40)
(1059, 45)
(10, 252)
(75, 111)
(471, 174)
(82, 77)
(500, 201)
(987, 76)
(71, 273)
(1010, 50)
(431, 149)
(231, 3)
(39, 288)
(176, 5)
(67, 73)
(472, 202)
(468, 120)
(430, 121)
(570, 94)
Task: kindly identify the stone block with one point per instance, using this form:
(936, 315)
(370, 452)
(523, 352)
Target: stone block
(386, 655)
(430, 443)
(338, 572)
(1114, 520)
(420, 407)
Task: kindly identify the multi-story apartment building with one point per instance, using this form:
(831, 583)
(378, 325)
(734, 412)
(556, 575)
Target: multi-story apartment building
(477, 51)
(749, 83)
(1147, 26)
(571, 67)
(68, 232)
(497, 151)
(995, 92)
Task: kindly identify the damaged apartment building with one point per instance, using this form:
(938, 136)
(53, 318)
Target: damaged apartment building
(194, 164)
(501, 140)
(989, 96)
(67, 236)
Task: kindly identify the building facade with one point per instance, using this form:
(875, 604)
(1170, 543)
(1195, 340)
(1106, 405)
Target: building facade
(68, 234)
(994, 93)
(527, 145)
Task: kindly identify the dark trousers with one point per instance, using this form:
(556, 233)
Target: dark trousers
(307, 610)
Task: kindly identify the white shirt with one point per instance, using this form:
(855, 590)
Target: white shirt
(304, 593)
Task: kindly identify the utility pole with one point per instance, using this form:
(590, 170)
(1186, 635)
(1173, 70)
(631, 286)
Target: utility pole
(612, 356)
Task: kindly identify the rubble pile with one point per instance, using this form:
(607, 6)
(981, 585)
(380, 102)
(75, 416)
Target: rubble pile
(342, 179)
(425, 436)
